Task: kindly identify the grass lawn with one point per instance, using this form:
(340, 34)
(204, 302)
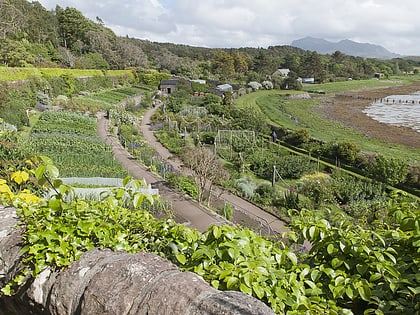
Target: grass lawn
(296, 114)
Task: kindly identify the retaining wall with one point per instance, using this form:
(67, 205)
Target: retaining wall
(106, 282)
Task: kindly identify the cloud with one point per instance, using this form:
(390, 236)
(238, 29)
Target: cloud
(239, 23)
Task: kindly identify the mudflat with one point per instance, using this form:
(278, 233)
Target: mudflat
(347, 108)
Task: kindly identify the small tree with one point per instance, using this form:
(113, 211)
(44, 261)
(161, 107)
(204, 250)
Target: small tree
(388, 170)
(206, 169)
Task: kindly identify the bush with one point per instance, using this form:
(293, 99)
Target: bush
(264, 193)
(246, 187)
(317, 187)
(298, 137)
(262, 162)
(207, 137)
(185, 184)
(293, 166)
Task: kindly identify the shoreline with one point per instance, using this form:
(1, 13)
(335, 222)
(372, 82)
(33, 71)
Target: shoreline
(348, 109)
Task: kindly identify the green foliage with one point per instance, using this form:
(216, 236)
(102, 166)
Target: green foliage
(348, 269)
(171, 140)
(262, 162)
(388, 170)
(153, 78)
(368, 270)
(317, 187)
(293, 166)
(70, 139)
(228, 210)
(249, 118)
(348, 189)
(91, 61)
(298, 137)
(185, 184)
(13, 104)
(246, 187)
(264, 193)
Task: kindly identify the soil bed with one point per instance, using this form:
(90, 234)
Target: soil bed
(347, 108)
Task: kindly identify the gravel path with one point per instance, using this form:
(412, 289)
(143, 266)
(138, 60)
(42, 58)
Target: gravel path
(188, 210)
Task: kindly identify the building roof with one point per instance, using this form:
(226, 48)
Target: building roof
(283, 72)
(169, 82)
(225, 87)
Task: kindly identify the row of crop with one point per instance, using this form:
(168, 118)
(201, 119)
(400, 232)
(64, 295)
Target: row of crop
(76, 149)
(109, 98)
(66, 122)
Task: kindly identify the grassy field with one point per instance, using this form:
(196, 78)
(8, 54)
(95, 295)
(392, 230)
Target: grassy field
(352, 85)
(300, 113)
(8, 74)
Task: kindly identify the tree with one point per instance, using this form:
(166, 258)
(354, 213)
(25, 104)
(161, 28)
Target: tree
(207, 169)
(73, 26)
(223, 64)
(388, 170)
(249, 118)
(11, 18)
(312, 66)
(241, 62)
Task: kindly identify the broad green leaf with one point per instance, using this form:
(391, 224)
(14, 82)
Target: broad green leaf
(312, 231)
(393, 286)
(215, 283)
(335, 263)
(181, 258)
(338, 292)
(394, 272)
(391, 257)
(416, 291)
(245, 289)
(375, 277)
(315, 275)
(217, 232)
(258, 290)
(7, 290)
(53, 171)
(225, 273)
(362, 268)
(349, 292)
(126, 180)
(232, 283)
(40, 171)
(54, 204)
(138, 200)
(292, 257)
(364, 292)
(330, 249)
(248, 279)
(57, 183)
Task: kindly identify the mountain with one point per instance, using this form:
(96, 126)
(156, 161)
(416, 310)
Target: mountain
(345, 46)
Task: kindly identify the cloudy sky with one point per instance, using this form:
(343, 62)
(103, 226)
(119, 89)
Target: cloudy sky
(258, 23)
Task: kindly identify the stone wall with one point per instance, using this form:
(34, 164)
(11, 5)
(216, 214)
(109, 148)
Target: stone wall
(106, 282)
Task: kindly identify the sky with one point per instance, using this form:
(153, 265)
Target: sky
(395, 25)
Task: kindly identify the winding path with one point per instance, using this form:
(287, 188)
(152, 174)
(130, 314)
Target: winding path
(190, 212)
(187, 210)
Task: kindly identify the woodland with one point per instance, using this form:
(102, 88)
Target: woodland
(30, 35)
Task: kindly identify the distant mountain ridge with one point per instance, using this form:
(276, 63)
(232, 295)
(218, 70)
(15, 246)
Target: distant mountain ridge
(345, 46)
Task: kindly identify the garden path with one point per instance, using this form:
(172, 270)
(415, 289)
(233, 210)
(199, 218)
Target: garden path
(267, 223)
(187, 211)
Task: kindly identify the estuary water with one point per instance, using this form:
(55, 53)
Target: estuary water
(397, 110)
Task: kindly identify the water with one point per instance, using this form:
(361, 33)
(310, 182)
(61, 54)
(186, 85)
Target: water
(397, 110)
